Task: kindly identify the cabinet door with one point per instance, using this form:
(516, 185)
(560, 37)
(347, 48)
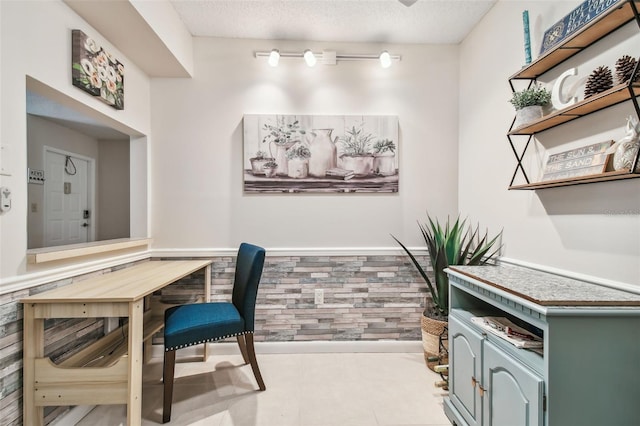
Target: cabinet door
(513, 394)
(465, 351)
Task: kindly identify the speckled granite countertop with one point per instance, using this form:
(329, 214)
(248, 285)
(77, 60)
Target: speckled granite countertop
(548, 289)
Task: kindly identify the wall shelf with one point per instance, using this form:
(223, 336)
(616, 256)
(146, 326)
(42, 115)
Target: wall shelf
(601, 26)
(603, 177)
(619, 15)
(613, 96)
(71, 251)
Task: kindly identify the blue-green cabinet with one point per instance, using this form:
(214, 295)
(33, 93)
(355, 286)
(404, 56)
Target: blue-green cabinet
(587, 374)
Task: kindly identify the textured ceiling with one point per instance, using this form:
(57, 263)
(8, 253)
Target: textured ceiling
(369, 21)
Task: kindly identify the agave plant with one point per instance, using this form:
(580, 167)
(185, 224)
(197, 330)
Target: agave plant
(456, 244)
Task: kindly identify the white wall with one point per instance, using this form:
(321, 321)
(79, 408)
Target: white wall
(113, 190)
(589, 229)
(196, 160)
(35, 41)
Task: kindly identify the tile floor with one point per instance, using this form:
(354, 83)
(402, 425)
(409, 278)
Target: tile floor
(337, 389)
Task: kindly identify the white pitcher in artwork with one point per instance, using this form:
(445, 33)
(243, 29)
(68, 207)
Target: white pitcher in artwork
(323, 151)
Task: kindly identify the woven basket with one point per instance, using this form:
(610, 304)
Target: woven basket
(431, 331)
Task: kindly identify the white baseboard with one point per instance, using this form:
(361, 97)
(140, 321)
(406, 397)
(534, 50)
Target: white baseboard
(231, 348)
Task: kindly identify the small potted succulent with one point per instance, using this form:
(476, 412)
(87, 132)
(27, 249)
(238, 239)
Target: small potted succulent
(270, 169)
(357, 151)
(528, 104)
(298, 161)
(384, 157)
(258, 162)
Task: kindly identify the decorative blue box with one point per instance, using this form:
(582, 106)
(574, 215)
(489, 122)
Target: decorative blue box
(576, 19)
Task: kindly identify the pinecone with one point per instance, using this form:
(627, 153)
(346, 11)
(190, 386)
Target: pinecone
(624, 68)
(600, 80)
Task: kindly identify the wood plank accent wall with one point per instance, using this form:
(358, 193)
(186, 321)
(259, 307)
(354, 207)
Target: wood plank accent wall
(365, 298)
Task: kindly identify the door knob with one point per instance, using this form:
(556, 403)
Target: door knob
(84, 225)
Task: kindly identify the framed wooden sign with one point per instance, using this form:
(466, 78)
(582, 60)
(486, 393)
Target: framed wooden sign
(576, 19)
(584, 161)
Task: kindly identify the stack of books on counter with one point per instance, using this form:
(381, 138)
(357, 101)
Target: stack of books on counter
(507, 330)
(340, 173)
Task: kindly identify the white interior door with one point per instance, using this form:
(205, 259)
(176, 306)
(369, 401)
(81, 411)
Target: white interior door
(66, 198)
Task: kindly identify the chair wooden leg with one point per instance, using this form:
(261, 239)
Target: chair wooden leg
(167, 377)
(251, 352)
(243, 348)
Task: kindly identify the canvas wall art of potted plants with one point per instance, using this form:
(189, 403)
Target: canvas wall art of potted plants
(449, 243)
(325, 150)
(529, 104)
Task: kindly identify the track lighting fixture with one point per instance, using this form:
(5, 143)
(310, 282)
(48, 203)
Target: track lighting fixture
(327, 57)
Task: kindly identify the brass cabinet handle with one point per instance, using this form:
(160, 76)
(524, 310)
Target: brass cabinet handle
(481, 390)
(473, 381)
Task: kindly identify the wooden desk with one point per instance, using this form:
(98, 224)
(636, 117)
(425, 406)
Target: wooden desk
(107, 372)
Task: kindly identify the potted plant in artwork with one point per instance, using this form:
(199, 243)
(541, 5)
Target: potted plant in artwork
(528, 104)
(384, 161)
(356, 151)
(281, 137)
(258, 162)
(298, 158)
(270, 169)
(448, 244)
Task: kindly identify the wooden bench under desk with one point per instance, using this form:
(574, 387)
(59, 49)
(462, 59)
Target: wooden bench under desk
(107, 371)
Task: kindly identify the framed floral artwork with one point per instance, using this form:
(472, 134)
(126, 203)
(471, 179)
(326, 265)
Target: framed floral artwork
(96, 71)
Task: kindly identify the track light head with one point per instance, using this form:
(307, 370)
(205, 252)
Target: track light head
(310, 58)
(274, 57)
(385, 59)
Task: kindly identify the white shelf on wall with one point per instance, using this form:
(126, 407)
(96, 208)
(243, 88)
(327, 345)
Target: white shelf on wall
(49, 254)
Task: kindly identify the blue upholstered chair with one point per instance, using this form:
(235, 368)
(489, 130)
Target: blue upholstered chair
(197, 323)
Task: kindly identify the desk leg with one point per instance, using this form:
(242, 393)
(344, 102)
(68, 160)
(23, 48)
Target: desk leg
(147, 348)
(134, 403)
(33, 347)
(207, 298)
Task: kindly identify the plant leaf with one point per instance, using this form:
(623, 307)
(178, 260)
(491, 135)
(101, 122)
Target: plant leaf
(423, 274)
